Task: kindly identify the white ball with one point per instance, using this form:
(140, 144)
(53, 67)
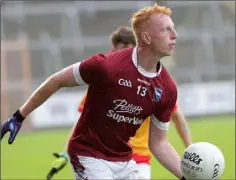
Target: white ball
(202, 160)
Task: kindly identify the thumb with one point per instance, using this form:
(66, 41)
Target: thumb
(56, 155)
(51, 173)
(12, 136)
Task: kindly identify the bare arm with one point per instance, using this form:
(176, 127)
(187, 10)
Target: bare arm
(163, 151)
(181, 126)
(63, 78)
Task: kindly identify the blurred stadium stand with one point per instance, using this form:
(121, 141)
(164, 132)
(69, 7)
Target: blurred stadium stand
(40, 38)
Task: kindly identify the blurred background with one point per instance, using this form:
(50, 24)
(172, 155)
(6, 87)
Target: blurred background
(40, 38)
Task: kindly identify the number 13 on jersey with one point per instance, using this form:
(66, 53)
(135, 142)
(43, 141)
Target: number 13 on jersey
(141, 90)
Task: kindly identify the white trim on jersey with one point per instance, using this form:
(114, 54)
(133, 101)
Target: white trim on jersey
(77, 75)
(159, 124)
(140, 69)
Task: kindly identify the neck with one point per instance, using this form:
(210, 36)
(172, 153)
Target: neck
(147, 59)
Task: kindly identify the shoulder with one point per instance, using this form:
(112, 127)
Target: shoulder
(167, 79)
(120, 55)
(104, 59)
(93, 61)
(169, 83)
(99, 67)
(117, 60)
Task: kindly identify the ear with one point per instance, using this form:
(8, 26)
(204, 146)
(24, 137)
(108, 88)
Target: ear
(145, 37)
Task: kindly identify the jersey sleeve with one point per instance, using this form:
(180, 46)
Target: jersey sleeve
(161, 115)
(91, 70)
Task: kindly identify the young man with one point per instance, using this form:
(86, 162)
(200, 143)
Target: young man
(125, 87)
(122, 38)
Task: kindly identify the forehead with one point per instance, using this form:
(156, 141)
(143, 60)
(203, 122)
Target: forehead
(161, 20)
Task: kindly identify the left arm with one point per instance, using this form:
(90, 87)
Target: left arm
(181, 126)
(162, 149)
(158, 142)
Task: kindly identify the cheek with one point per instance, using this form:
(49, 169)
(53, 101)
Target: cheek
(158, 36)
(159, 40)
(163, 37)
(163, 40)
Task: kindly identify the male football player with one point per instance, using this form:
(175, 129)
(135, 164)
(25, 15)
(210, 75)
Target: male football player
(125, 88)
(122, 38)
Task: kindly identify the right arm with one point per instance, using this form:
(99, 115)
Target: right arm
(181, 126)
(63, 78)
(88, 71)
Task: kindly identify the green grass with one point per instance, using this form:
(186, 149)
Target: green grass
(30, 156)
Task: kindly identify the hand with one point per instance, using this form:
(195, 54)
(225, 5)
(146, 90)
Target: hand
(58, 164)
(13, 125)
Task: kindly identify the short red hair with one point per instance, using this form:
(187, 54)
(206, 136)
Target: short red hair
(143, 15)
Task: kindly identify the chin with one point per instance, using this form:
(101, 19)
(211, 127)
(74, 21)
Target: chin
(167, 54)
(164, 53)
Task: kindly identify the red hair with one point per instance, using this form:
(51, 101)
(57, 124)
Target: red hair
(142, 16)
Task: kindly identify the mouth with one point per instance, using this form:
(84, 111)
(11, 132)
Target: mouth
(172, 44)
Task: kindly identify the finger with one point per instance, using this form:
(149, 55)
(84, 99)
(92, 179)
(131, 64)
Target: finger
(56, 155)
(3, 131)
(12, 136)
(51, 173)
(49, 176)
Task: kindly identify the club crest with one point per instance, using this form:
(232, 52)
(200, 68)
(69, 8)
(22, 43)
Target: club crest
(157, 94)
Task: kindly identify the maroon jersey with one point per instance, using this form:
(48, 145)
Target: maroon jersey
(120, 96)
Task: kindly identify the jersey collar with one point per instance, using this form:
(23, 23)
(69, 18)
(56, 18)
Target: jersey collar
(140, 69)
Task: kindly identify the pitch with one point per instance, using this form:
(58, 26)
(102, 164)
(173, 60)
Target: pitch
(30, 156)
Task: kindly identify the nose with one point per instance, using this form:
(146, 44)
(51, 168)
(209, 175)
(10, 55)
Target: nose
(174, 35)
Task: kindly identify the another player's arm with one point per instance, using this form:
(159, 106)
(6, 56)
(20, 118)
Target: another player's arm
(61, 161)
(181, 125)
(63, 158)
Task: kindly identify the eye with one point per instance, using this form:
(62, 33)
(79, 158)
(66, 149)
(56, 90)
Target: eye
(168, 29)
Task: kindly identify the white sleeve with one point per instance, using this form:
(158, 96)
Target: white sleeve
(77, 75)
(159, 124)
